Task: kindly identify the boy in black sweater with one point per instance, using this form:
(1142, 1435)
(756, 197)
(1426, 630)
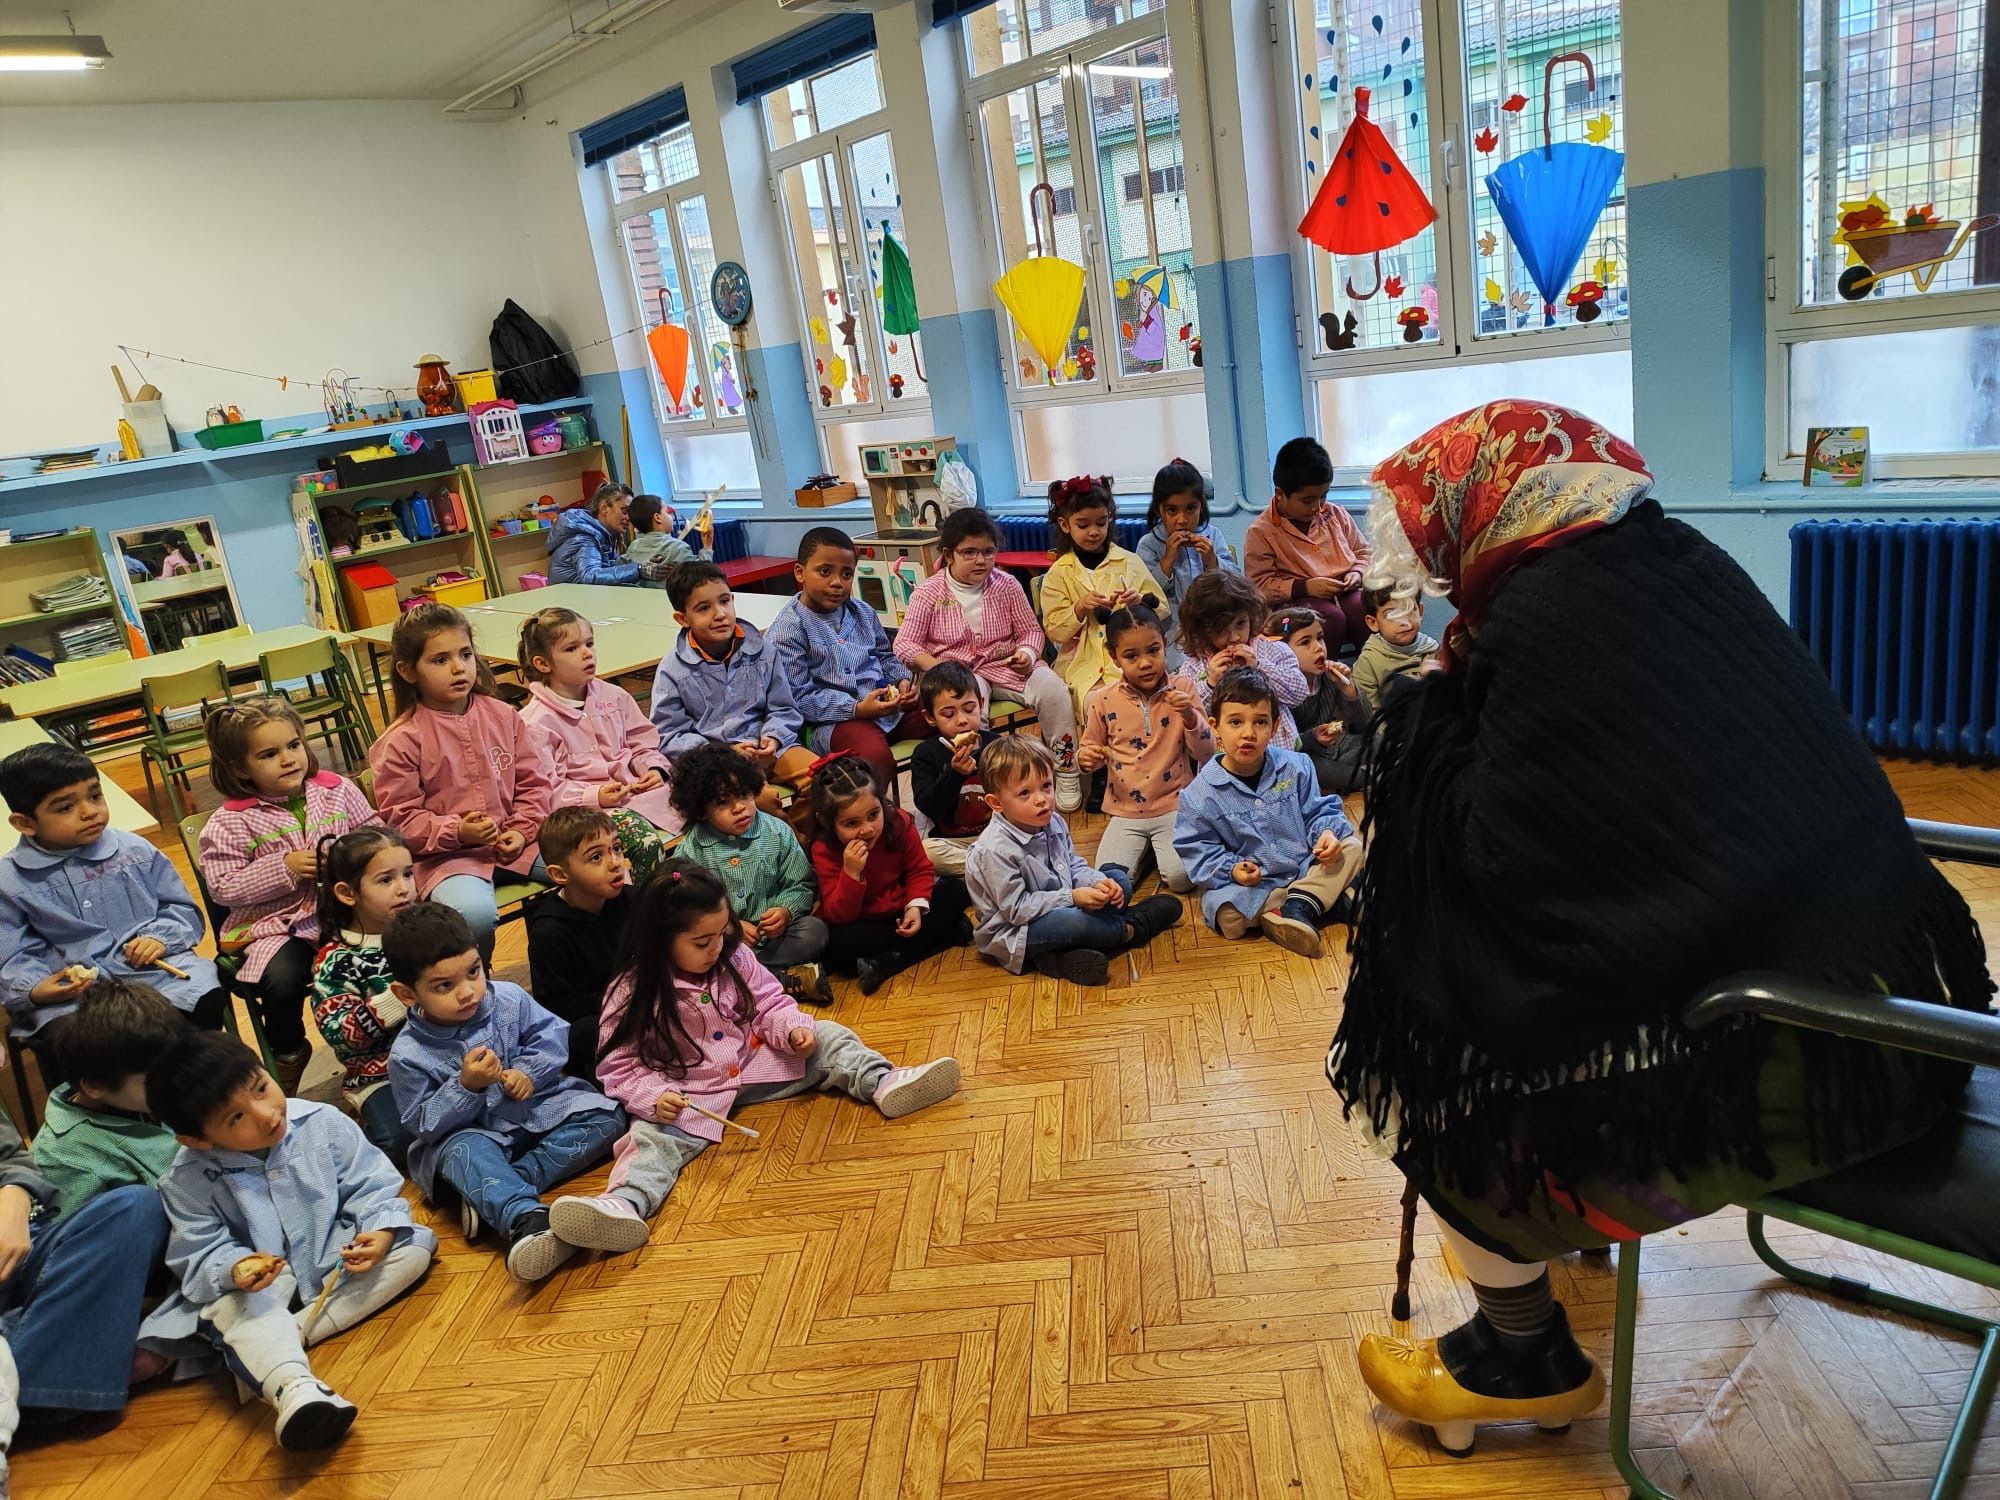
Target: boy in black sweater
(944, 772)
(574, 930)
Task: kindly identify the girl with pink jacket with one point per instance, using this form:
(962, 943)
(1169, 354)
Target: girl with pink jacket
(603, 751)
(458, 773)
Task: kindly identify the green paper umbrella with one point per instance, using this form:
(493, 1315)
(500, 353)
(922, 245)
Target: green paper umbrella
(899, 290)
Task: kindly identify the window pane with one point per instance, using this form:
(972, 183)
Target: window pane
(652, 165)
(649, 248)
(703, 461)
(1564, 262)
(788, 113)
(882, 213)
(847, 93)
(1027, 142)
(1014, 29)
(1135, 119)
(1127, 438)
(822, 247)
(723, 394)
(1912, 391)
(1365, 418)
(1891, 145)
(1397, 288)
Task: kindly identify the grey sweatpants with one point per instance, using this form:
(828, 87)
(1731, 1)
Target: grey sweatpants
(649, 1159)
(265, 1331)
(1126, 841)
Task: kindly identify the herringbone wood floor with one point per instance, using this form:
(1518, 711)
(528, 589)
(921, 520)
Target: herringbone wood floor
(1131, 1258)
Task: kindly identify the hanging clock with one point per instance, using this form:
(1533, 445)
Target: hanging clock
(729, 293)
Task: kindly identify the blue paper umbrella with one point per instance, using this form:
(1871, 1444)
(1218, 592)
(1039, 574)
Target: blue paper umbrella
(1550, 199)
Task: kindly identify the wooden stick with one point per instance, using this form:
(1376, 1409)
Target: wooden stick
(178, 973)
(324, 1292)
(725, 1120)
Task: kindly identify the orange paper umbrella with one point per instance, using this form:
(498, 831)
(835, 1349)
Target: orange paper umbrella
(669, 343)
(1367, 200)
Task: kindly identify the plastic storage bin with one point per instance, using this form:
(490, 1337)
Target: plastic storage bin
(458, 593)
(370, 592)
(231, 434)
(474, 386)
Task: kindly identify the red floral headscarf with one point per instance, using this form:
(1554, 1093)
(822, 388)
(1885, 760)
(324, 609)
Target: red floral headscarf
(1483, 491)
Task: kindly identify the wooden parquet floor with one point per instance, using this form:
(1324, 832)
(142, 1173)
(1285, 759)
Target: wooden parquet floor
(1130, 1259)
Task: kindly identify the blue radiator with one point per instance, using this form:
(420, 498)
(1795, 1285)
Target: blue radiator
(1031, 533)
(1904, 616)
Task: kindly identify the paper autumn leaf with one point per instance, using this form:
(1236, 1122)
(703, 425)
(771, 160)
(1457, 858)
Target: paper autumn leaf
(817, 327)
(1486, 140)
(1520, 302)
(1597, 129)
(1493, 292)
(1488, 243)
(1514, 103)
(1393, 287)
(1605, 270)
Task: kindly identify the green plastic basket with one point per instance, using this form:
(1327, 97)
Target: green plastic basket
(231, 434)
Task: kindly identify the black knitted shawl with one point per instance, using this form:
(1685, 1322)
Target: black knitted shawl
(1638, 783)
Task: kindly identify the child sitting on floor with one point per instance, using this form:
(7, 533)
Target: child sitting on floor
(458, 773)
(885, 907)
(1149, 735)
(259, 855)
(269, 1201)
(96, 1134)
(653, 539)
(574, 930)
(478, 1076)
(759, 860)
(1398, 647)
(849, 687)
(697, 1021)
(1332, 719)
(1264, 844)
(1304, 550)
(1222, 625)
(944, 772)
(80, 899)
(1181, 543)
(976, 615)
(603, 752)
(721, 684)
(365, 878)
(1038, 902)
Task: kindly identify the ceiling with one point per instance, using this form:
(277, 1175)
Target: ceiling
(223, 51)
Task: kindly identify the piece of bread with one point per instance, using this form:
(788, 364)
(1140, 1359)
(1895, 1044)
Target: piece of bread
(960, 741)
(82, 973)
(254, 1267)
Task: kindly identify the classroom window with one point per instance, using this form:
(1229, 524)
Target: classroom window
(1509, 271)
(1887, 315)
(662, 162)
(1086, 108)
(843, 212)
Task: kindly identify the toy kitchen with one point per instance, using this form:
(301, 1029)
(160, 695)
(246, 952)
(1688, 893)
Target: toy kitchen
(902, 550)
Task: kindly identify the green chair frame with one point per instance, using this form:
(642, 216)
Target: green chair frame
(177, 751)
(332, 703)
(1001, 713)
(228, 953)
(1961, 1036)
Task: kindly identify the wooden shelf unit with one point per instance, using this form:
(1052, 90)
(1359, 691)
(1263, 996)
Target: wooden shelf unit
(411, 562)
(39, 564)
(501, 491)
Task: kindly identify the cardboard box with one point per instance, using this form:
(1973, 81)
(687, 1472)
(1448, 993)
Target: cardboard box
(833, 494)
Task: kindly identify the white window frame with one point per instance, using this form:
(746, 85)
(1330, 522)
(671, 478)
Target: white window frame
(838, 142)
(669, 199)
(1454, 170)
(1069, 65)
(1790, 320)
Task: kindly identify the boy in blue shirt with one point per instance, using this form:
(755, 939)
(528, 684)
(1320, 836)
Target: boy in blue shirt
(80, 899)
(269, 1201)
(1265, 847)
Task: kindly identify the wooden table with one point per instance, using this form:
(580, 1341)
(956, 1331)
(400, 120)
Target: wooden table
(634, 627)
(88, 692)
(126, 812)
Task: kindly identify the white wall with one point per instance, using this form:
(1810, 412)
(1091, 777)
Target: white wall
(280, 238)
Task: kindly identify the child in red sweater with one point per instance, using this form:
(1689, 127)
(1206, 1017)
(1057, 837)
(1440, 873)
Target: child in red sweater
(887, 908)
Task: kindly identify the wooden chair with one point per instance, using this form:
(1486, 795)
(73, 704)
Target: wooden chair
(328, 698)
(176, 751)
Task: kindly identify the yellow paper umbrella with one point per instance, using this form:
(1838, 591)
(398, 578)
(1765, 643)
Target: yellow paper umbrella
(1044, 291)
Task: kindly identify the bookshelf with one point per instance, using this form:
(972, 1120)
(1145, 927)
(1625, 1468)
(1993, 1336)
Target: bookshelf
(502, 490)
(36, 564)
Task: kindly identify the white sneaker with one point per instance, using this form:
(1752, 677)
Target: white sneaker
(1069, 791)
(607, 1222)
(536, 1250)
(311, 1415)
(904, 1091)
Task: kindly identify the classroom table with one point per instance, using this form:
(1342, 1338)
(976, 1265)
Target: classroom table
(89, 692)
(126, 812)
(633, 627)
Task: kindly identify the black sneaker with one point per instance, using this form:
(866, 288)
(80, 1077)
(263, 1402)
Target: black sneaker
(1078, 965)
(311, 1414)
(1346, 908)
(534, 1252)
(1151, 917)
(1294, 926)
(873, 973)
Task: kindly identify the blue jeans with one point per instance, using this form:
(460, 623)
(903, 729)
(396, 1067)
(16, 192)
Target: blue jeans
(384, 1127)
(504, 1187)
(71, 1312)
(471, 896)
(1072, 927)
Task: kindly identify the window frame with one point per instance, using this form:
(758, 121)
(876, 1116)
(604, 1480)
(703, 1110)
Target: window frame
(1455, 170)
(1789, 319)
(669, 200)
(1068, 65)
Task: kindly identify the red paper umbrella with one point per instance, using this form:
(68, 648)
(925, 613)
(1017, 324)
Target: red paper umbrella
(1367, 200)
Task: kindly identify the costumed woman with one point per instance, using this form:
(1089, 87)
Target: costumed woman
(1627, 781)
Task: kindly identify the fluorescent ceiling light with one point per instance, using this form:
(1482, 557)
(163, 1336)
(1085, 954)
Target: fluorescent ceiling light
(52, 54)
(1127, 70)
